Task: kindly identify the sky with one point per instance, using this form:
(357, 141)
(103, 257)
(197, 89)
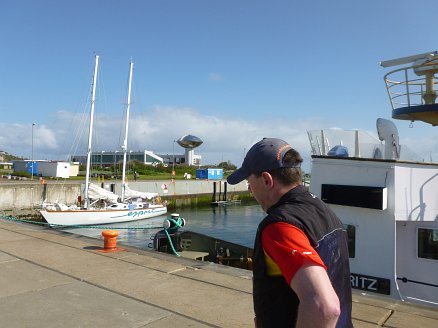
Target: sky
(229, 72)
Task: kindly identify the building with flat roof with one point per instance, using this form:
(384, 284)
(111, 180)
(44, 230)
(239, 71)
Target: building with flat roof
(109, 158)
(147, 157)
(188, 158)
(56, 169)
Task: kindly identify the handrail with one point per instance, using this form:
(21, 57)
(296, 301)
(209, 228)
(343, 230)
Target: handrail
(405, 91)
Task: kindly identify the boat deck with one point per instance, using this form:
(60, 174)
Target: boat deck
(50, 278)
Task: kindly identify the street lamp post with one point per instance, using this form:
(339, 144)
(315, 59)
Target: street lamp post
(129, 160)
(101, 159)
(33, 124)
(173, 155)
(173, 160)
(115, 157)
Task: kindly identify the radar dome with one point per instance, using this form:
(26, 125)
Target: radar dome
(189, 141)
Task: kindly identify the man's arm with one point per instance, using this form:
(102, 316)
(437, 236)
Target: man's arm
(319, 304)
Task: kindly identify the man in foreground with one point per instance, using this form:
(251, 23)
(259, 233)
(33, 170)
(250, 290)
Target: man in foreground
(301, 275)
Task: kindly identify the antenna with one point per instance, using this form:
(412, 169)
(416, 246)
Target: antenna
(409, 59)
(388, 132)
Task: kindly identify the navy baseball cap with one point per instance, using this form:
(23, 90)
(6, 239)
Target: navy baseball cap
(265, 155)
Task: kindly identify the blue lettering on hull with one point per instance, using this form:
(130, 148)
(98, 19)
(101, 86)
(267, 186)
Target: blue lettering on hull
(135, 214)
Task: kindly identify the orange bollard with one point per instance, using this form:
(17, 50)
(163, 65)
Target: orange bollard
(110, 239)
(249, 264)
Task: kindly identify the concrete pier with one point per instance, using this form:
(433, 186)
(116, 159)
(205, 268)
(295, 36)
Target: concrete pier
(53, 279)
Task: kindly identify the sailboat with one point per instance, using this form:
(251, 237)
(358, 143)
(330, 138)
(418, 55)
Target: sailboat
(101, 206)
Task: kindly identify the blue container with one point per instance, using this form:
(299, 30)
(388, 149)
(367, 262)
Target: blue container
(210, 174)
(32, 166)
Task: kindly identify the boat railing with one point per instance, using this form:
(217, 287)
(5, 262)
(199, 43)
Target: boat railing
(405, 90)
(353, 143)
(357, 143)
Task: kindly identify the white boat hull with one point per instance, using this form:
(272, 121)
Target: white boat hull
(93, 217)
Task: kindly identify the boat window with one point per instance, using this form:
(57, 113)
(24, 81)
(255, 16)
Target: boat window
(428, 243)
(350, 230)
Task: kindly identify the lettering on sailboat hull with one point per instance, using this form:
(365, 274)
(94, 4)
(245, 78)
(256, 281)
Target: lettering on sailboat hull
(135, 214)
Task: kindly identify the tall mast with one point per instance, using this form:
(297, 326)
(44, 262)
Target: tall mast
(90, 132)
(125, 142)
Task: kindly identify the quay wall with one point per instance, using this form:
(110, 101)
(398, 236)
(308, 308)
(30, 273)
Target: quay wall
(27, 196)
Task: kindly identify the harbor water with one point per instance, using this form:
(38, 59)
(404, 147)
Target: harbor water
(236, 223)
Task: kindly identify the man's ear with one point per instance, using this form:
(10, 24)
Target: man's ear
(268, 180)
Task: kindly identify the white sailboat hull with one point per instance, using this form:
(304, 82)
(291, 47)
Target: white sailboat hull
(97, 216)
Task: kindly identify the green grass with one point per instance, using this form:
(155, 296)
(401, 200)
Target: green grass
(146, 172)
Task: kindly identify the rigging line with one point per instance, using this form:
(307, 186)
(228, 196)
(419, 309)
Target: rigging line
(134, 114)
(125, 109)
(101, 103)
(121, 128)
(82, 122)
(76, 122)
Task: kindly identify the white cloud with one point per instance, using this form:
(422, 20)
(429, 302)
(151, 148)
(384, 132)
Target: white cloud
(17, 138)
(224, 138)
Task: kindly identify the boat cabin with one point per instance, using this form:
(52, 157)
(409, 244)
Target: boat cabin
(386, 198)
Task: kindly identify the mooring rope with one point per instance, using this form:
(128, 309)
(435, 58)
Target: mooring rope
(11, 218)
(171, 226)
